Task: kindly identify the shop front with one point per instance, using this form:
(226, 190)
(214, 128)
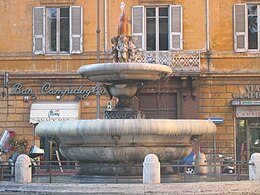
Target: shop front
(52, 111)
(247, 128)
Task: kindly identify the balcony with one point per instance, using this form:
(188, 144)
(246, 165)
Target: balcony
(183, 63)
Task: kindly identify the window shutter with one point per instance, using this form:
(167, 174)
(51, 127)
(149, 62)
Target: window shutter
(76, 45)
(138, 25)
(175, 27)
(38, 30)
(240, 44)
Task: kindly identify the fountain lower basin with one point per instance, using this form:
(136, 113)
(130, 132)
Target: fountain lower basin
(124, 140)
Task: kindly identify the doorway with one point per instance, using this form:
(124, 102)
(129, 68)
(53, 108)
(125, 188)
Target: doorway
(158, 105)
(248, 137)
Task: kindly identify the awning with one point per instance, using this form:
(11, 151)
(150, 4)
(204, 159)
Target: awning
(54, 111)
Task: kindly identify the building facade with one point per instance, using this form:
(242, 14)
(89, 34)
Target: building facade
(212, 47)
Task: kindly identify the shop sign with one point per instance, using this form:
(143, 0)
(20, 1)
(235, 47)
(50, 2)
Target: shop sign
(216, 120)
(47, 89)
(54, 111)
(245, 103)
(247, 112)
(250, 92)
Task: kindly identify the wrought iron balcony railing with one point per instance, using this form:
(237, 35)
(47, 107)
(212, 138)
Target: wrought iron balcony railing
(182, 62)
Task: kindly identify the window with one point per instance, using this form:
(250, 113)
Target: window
(157, 28)
(246, 28)
(57, 30)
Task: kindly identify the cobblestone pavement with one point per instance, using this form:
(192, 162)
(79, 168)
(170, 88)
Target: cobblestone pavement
(209, 188)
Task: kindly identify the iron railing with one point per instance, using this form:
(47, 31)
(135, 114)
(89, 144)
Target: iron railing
(181, 62)
(64, 171)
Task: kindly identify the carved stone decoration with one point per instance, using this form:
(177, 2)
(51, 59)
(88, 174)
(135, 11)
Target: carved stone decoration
(124, 48)
(124, 94)
(124, 114)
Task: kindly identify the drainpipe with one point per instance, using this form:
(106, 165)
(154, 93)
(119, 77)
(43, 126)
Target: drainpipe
(207, 37)
(105, 26)
(98, 60)
(6, 86)
(208, 56)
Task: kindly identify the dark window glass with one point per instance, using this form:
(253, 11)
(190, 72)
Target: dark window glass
(252, 27)
(52, 28)
(150, 12)
(150, 34)
(157, 28)
(163, 34)
(163, 11)
(53, 35)
(64, 29)
(64, 12)
(58, 29)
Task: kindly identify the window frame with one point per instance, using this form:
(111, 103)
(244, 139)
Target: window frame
(58, 32)
(157, 23)
(258, 17)
(40, 30)
(245, 33)
(171, 32)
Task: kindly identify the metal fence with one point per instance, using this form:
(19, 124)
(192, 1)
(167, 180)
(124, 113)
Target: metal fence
(181, 62)
(68, 171)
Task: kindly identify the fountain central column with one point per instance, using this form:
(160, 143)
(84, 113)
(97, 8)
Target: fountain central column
(124, 90)
(123, 25)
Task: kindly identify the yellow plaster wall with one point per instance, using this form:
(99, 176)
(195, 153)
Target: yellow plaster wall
(16, 32)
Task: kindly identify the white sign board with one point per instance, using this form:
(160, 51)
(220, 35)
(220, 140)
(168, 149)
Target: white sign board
(54, 111)
(247, 111)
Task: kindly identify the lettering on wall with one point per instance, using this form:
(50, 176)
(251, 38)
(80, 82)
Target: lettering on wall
(47, 89)
(249, 92)
(247, 112)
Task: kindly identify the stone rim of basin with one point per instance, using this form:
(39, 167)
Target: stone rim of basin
(109, 72)
(126, 126)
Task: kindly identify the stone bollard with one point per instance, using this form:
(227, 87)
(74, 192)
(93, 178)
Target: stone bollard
(201, 164)
(151, 169)
(254, 170)
(23, 171)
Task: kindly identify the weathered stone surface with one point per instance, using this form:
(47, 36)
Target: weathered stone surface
(205, 188)
(254, 170)
(151, 169)
(23, 171)
(201, 164)
(109, 72)
(136, 138)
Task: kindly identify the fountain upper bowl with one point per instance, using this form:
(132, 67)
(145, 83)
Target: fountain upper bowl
(119, 72)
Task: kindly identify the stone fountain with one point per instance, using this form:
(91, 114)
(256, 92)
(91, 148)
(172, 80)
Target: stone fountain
(124, 137)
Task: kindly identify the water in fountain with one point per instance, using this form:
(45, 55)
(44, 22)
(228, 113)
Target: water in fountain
(124, 137)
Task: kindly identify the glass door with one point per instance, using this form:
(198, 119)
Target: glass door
(248, 138)
(253, 140)
(241, 140)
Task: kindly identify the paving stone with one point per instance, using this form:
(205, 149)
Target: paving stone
(205, 188)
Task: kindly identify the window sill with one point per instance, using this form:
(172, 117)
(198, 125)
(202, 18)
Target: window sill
(55, 2)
